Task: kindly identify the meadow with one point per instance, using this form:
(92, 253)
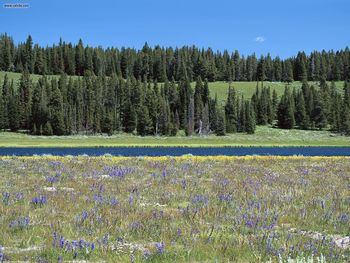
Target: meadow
(264, 136)
(175, 209)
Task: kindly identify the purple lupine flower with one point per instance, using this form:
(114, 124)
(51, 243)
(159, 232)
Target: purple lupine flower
(164, 173)
(250, 223)
(62, 241)
(179, 232)
(39, 200)
(160, 247)
(84, 215)
(114, 201)
(5, 198)
(200, 200)
(53, 179)
(225, 197)
(19, 196)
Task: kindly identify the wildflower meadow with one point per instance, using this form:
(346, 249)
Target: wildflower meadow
(175, 209)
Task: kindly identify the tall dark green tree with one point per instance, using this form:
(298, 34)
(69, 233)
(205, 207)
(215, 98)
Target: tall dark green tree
(230, 111)
(13, 109)
(56, 112)
(285, 111)
(25, 100)
(250, 118)
(301, 118)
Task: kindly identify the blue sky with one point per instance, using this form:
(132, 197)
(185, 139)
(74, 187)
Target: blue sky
(281, 27)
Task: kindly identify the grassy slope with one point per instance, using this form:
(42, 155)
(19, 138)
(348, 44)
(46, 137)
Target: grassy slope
(264, 136)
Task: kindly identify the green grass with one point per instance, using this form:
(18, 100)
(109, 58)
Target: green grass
(264, 136)
(203, 209)
(16, 77)
(247, 89)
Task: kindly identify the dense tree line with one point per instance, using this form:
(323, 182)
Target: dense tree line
(161, 64)
(98, 104)
(310, 107)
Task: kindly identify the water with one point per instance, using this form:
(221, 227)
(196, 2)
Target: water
(178, 151)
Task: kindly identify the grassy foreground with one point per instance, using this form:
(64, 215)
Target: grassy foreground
(167, 209)
(264, 136)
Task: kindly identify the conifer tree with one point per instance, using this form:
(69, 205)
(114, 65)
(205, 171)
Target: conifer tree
(318, 113)
(144, 123)
(13, 110)
(220, 125)
(301, 118)
(56, 112)
(213, 113)
(274, 103)
(250, 118)
(242, 116)
(25, 100)
(198, 103)
(47, 130)
(190, 118)
(230, 111)
(285, 112)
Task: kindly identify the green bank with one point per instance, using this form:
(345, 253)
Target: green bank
(264, 136)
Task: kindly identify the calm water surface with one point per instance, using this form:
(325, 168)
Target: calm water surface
(178, 151)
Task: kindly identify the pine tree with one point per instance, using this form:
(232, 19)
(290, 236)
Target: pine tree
(213, 113)
(285, 112)
(5, 53)
(230, 111)
(220, 125)
(164, 117)
(56, 109)
(129, 118)
(2, 119)
(345, 116)
(242, 116)
(13, 110)
(301, 118)
(274, 103)
(250, 118)
(261, 70)
(144, 123)
(25, 100)
(346, 120)
(198, 103)
(190, 118)
(288, 71)
(318, 113)
(47, 130)
(205, 121)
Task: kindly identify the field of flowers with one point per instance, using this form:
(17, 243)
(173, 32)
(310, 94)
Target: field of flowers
(167, 209)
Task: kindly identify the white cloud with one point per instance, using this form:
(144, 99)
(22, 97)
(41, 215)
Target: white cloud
(259, 39)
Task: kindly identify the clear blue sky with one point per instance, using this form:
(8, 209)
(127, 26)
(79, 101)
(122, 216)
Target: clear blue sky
(281, 27)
